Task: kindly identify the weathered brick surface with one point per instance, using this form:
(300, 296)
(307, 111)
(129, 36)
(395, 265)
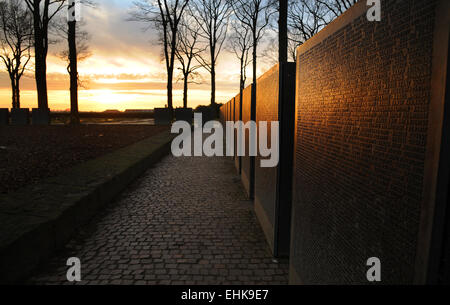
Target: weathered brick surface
(237, 117)
(222, 113)
(185, 222)
(275, 99)
(237, 105)
(225, 111)
(246, 117)
(362, 106)
(266, 178)
(232, 109)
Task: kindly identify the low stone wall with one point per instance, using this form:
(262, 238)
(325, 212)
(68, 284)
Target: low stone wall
(163, 116)
(4, 116)
(184, 114)
(20, 116)
(40, 116)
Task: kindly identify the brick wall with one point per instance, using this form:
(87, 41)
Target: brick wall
(362, 106)
(231, 110)
(224, 107)
(227, 111)
(222, 113)
(266, 178)
(246, 116)
(237, 117)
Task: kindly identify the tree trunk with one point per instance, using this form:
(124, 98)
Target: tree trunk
(241, 80)
(40, 59)
(17, 92)
(14, 92)
(73, 71)
(253, 113)
(185, 91)
(283, 31)
(253, 103)
(241, 91)
(41, 84)
(213, 84)
(170, 71)
(169, 89)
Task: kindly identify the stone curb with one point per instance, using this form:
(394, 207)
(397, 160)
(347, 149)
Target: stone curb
(38, 220)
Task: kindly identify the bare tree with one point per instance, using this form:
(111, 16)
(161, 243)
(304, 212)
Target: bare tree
(165, 16)
(187, 52)
(337, 7)
(77, 50)
(256, 15)
(212, 17)
(16, 35)
(305, 19)
(240, 44)
(43, 11)
(73, 64)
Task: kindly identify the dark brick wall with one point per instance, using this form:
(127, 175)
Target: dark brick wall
(230, 110)
(275, 101)
(237, 103)
(361, 135)
(237, 117)
(246, 116)
(232, 113)
(227, 105)
(266, 178)
(222, 112)
(233, 110)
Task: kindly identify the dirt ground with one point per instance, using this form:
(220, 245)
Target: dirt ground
(30, 153)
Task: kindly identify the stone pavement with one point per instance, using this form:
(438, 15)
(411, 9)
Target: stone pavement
(186, 221)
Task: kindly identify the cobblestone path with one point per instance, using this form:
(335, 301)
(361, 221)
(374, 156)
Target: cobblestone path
(186, 221)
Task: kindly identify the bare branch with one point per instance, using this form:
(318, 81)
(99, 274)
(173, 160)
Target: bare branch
(16, 34)
(164, 16)
(256, 16)
(212, 18)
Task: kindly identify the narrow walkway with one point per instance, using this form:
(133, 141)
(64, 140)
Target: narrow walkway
(185, 222)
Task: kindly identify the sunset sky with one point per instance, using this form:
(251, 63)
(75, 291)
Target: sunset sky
(125, 70)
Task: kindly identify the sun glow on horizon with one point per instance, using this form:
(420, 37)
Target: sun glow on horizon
(107, 99)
